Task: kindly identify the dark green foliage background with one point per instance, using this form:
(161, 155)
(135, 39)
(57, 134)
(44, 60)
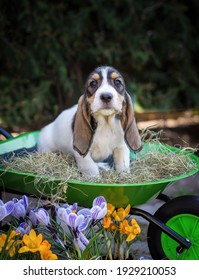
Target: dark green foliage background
(47, 49)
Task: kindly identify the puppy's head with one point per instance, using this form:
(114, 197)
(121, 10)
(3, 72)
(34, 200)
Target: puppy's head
(105, 91)
(105, 95)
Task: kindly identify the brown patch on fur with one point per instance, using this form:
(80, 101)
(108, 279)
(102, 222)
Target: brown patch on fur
(114, 75)
(95, 76)
(90, 99)
(128, 122)
(82, 132)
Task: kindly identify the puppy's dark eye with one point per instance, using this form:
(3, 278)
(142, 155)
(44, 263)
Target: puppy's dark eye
(93, 84)
(117, 82)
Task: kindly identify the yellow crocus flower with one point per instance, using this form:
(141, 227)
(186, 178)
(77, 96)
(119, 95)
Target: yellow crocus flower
(137, 228)
(110, 209)
(121, 213)
(33, 243)
(9, 240)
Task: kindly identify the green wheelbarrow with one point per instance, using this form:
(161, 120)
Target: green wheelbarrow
(173, 231)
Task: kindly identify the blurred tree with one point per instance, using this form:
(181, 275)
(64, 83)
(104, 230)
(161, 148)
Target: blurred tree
(47, 48)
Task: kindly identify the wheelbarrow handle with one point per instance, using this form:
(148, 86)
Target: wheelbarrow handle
(5, 133)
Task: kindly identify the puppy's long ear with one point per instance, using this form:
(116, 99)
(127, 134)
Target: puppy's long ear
(131, 133)
(82, 129)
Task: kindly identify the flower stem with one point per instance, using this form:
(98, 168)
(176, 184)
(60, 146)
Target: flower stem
(108, 246)
(121, 248)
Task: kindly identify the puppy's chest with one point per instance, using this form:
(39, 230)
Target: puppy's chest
(105, 140)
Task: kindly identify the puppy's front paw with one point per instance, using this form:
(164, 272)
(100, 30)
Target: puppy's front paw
(90, 171)
(103, 166)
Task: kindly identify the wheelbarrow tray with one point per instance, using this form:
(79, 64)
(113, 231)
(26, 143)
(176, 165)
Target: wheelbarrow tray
(82, 192)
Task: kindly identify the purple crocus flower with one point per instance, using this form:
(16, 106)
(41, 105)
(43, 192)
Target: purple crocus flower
(99, 208)
(41, 216)
(64, 211)
(62, 214)
(72, 207)
(20, 207)
(23, 228)
(6, 209)
(33, 218)
(81, 241)
(77, 222)
(62, 218)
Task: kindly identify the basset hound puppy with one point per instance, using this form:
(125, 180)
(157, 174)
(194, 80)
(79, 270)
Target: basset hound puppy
(100, 125)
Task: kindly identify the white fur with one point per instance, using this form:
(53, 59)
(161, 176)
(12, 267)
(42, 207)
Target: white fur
(108, 138)
(58, 136)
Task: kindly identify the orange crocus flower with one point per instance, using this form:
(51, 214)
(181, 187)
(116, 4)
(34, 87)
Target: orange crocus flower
(48, 255)
(107, 224)
(123, 227)
(110, 209)
(130, 230)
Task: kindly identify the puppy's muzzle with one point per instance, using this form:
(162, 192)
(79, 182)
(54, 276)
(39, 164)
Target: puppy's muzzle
(106, 97)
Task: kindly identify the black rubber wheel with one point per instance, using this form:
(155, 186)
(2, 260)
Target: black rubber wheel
(182, 215)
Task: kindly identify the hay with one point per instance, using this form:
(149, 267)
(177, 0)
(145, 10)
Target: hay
(150, 166)
(48, 168)
(54, 165)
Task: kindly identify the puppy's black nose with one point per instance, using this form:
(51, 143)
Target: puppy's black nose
(106, 97)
